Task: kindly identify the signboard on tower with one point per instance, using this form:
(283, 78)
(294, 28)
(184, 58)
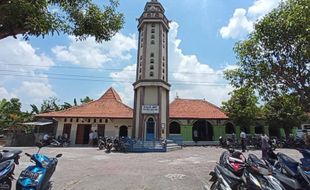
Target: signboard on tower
(150, 109)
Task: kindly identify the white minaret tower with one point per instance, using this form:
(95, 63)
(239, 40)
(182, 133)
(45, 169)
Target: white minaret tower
(151, 101)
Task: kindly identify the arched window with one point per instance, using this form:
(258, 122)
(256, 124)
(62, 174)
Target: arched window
(152, 42)
(152, 54)
(152, 60)
(153, 24)
(123, 131)
(153, 37)
(153, 31)
(174, 128)
(151, 74)
(152, 67)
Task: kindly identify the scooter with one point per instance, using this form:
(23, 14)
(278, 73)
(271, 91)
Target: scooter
(259, 176)
(36, 177)
(223, 179)
(292, 174)
(108, 145)
(8, 160)
(287, 182)
(101, 143)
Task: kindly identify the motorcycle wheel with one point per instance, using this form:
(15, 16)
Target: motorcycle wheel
(100, 147)
(214, 185)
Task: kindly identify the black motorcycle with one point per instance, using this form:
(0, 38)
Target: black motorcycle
(101, 143)
(233, 172)
(228, 174)
(286, 170)
(119, 145)
(109, 145)
(8, 160)
(259, 176)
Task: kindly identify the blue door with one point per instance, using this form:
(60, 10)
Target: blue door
(150, 129)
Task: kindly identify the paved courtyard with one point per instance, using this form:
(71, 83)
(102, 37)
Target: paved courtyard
(91, 169)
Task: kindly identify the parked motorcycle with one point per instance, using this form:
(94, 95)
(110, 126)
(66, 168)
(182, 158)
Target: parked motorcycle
(233, 172)
(101, 143)
(292, 174)
(259, 176)
(224, 179)
(8, 160)
(109, 145)
(119, 145)
(36, 177)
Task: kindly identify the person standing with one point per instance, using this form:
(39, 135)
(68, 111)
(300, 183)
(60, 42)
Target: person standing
(243, 139)
(265, 146)
(95, 137)
(91, 138)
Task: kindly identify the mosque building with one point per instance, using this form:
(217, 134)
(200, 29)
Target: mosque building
(152, 117)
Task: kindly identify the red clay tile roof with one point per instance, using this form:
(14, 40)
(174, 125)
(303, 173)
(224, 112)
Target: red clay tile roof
(109, 105)
(190, 109)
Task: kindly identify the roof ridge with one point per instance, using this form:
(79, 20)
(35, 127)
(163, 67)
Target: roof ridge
(69, 109)
(211, 104)
(111, 91)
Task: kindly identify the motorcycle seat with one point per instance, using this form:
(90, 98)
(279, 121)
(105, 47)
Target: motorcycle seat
(4, 165)
(288, 163)
(228, 173)
(256, 160)
(305, 153)
(7, 155)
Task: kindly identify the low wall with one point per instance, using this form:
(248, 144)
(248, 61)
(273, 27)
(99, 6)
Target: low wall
(20, 140)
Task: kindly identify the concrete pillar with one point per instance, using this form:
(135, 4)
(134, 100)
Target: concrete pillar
(73, 133)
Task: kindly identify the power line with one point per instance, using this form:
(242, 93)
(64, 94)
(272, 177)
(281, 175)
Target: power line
(110, 81)
(83, 76)
(105, 69)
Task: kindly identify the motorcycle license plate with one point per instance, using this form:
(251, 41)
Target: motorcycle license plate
(30, 174)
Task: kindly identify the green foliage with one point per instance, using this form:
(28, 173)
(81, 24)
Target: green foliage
(284, 111)
(86, 100)
(275, 59)
(81, 18)
(242, 107)
(11, 115)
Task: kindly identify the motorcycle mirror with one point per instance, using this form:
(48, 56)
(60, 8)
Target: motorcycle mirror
(39, 144)
(27, 154)
(58, 155)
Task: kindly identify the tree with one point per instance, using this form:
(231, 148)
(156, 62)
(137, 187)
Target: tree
(86, 100)
(242, 107)
(11, 114)
(81, 18)
(275, 59)
(48, 105)
(65, 106)
(284, 111)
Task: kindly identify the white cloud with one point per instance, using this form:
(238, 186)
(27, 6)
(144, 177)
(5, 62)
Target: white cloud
(123, 83)
(239, 25)
(89, 53)
(18, 58)
(188, 76)
(35, 91)
(242, 21)
(5, 94)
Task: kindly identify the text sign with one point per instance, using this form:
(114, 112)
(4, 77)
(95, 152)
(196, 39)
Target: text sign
(150, 109)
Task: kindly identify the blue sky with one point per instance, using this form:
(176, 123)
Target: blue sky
(201, 39)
